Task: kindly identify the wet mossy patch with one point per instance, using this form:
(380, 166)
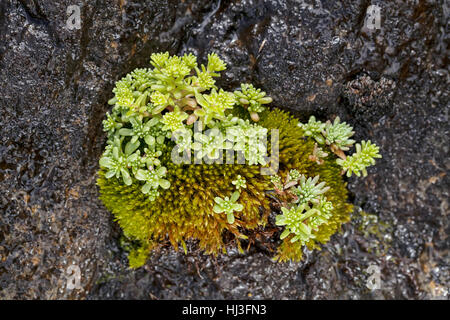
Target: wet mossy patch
(184, 211)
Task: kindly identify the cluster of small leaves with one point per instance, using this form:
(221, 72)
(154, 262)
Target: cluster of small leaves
(317, 155)
(185, 210)
(228, 205)
(337, 136)
(213, 105)
(252, 99)
(179, 84)
(133, 151)
(314, 129)
(249, 139)
(308, 190)
(134, 140)
(211, 144)
(154, 104)
(365, 155)
(304, 207)
(240, 182)
(233, 133)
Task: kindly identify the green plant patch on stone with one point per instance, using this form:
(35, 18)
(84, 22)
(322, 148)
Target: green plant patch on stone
(186, 160)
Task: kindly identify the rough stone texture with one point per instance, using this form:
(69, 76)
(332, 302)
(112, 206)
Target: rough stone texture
(307, 55)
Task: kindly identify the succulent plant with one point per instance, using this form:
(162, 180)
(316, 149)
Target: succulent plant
(250, 140)
(215, 63)
(140, 130)
(294, 154)
(116, 161)
(124, 94)
(365, 155)
(318, 154)
(210, 145)
(252, 99)
(305, 210)
(276, 180)
(240, 182)
(173, 121)
(314, 129)
(111, 123)
(308, 190)
(294, 175)
(213, 105)
(175, 107)
(337, 135)
(153, 179)
(228, 205)
(294, 219)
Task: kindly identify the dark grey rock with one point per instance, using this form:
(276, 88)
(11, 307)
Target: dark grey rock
(308, 55)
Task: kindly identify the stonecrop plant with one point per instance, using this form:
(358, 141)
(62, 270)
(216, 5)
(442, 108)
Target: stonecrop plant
(184, 160)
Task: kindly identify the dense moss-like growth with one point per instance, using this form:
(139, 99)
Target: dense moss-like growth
(294, 152)
(169, 172)
(185, 210)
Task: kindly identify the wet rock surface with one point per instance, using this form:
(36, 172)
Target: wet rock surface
(313, 57)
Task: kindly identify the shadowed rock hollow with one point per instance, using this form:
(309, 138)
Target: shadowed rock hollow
(313, 57)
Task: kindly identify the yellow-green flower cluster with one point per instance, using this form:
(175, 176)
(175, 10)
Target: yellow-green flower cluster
(173, 121)
(124, 92)
(214, 105)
